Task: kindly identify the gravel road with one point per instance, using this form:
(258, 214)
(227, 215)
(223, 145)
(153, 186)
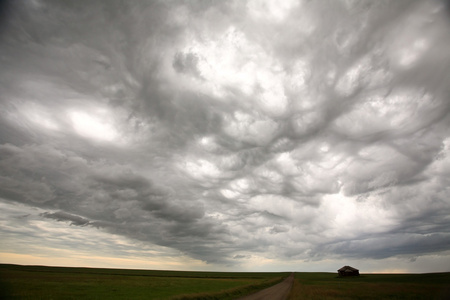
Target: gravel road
(279, 291)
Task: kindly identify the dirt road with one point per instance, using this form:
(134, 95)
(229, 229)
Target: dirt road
(277, 292)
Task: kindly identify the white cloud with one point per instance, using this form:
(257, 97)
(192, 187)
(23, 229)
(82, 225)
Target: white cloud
(251, 128)
(271, 10)
(95, 127)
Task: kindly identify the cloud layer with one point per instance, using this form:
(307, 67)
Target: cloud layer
(232, 130)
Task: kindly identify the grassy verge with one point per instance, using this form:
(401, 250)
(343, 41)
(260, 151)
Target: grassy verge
(371, 286)
(232, 293)
(33, 282)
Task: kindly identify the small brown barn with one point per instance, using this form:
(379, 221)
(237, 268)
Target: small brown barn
(348, 271)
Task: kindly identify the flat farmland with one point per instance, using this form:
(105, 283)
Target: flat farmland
(329, 286)
(39, 282)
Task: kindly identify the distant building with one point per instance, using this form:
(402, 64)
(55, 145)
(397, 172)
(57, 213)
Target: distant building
(348, 271)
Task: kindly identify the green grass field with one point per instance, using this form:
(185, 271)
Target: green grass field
(329, 286)
(35, 282)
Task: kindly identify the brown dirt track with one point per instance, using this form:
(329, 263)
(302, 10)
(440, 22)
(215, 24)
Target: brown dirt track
(279, 291)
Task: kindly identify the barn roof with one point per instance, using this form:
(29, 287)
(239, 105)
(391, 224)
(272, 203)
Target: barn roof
(347, 268)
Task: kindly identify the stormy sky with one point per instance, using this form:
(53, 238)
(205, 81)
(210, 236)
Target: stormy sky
(226, 135)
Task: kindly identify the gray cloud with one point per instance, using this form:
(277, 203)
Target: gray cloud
(229, 131)
(63, 216)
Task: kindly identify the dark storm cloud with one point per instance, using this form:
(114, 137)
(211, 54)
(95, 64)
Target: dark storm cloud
(232, 130)
(109, 195)
(63, 216)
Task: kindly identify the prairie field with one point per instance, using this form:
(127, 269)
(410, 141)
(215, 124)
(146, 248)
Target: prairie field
(39, 282)
(329, 286)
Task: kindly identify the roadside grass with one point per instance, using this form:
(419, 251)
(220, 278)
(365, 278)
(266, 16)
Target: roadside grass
(39, 282)
(329, 286)
(232, 293)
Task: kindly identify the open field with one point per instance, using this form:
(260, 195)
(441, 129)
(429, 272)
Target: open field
(36, 282)
(371, 286)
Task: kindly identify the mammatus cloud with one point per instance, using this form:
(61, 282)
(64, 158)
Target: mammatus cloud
(229, 132)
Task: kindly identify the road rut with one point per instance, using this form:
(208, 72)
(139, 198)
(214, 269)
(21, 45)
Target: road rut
(279, 291)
